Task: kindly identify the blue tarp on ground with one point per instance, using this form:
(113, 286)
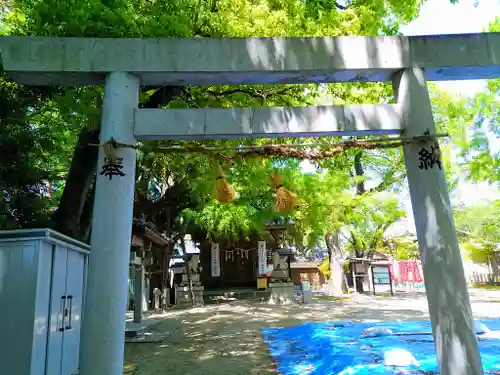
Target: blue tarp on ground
(338, 348)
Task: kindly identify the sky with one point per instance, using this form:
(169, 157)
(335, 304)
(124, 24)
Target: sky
(442, 17)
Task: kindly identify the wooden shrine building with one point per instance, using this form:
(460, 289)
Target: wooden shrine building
(149, 259)
(237, 268)
(247, 262)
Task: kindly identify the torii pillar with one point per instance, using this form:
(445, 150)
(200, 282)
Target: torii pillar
(103, 335)
(447, 294)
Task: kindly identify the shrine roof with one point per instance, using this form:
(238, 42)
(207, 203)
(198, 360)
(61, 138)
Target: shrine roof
(147, 229)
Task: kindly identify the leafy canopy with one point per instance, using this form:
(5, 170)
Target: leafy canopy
(479, 230)
(326, 198)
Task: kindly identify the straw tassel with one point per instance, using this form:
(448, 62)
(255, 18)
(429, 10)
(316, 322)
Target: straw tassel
(285, 199)
(224, 191)
(110, 150)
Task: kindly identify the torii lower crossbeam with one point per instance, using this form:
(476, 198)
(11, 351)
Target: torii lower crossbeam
(274, 122)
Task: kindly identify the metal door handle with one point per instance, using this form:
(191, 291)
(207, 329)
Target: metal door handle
(70, 299)
(63, 312)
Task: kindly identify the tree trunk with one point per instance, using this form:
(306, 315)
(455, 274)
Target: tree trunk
(336, 281)
(360, 190)
(359, 285)
(358, 168)
(337, 276)
(68, 217)
(74, 214)
(495, 268)
(86, 217)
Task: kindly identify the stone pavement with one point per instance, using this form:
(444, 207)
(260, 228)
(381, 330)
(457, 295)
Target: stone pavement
(142, 332)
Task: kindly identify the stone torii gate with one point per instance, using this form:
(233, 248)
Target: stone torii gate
(122, 65)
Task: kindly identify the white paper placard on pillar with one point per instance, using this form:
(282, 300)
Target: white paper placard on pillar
(262, 257)
(215, 256)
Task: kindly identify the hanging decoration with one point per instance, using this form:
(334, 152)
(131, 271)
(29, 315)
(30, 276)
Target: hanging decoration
(224, 191)
(262, 258)
(229, 255)
(302, 151)
(113, 163)
(285, 199)
(244, 253)
(215, 259)
(110, 150)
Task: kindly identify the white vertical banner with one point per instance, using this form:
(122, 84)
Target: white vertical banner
(395, 269)
(262, 257)
(215, 260)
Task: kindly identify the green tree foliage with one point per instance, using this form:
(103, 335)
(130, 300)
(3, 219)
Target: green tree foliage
(479, 231)
(324, 268)
(368, 221)
(35, 149)
(473, 125)
(168, 183)
(401, 247)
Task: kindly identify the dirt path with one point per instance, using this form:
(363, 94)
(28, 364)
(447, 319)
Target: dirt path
(226, 339)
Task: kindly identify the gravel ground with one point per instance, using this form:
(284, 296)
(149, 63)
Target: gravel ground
(226, 339)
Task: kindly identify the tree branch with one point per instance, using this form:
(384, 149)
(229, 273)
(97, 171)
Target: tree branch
(358, 168)
(164, 95)
(390, 178)
(352, 239)
(376, 237)
(258, 94)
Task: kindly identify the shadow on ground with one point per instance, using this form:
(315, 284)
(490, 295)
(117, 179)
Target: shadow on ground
(226, 339)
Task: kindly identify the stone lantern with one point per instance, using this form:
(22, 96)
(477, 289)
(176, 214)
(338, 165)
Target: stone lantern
(280, 283)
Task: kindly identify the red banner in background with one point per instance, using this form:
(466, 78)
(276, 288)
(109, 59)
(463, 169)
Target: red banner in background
(406, 271)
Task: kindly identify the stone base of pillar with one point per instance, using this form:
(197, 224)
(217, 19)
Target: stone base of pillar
(281, 293)
(183, 296)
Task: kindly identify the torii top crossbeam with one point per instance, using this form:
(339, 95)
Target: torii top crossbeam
(76, 61)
